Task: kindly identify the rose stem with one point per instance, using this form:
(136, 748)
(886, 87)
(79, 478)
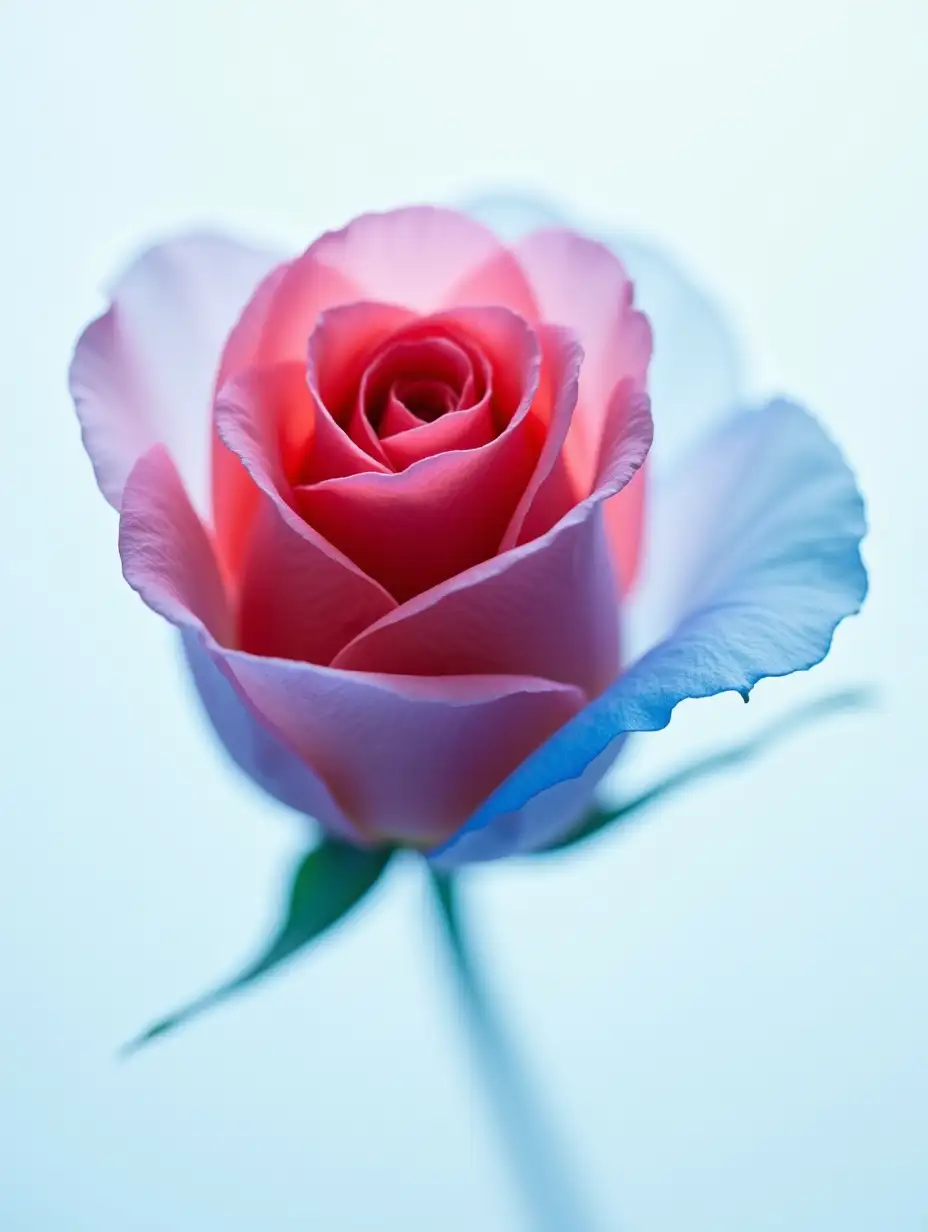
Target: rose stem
(537, 1161)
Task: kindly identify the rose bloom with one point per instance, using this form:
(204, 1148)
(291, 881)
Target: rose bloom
(394, 494)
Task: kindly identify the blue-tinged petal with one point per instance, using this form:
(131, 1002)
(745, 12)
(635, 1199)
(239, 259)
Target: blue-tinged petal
(753, 560)
(254, 747)
(696, 375)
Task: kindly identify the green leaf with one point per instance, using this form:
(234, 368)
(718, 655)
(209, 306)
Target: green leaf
(328, 882)
(599, 818)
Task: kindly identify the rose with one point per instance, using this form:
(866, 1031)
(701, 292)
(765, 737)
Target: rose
(387, 491)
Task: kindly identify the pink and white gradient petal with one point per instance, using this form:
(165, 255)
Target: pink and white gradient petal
(168, 557)
(390, 756)
(426, 258)
(143, 372)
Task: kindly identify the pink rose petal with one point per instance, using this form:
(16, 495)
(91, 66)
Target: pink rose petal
(341, 347)
(143, 372)
(426, 259)
(299, 597)
(442, 363)
(274, 327)
(443, 514)
(455, 430)
(552, 490)
(397, 756)
(234, 498)
(168, 557)
(417, 355)
(165, 547)
(582, 284)
(549, 606)
(404, 757)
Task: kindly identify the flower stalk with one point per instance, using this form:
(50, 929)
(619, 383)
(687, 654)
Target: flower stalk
(538, 1161)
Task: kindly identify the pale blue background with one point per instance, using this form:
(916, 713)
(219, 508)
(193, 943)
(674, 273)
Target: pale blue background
(728, 1005)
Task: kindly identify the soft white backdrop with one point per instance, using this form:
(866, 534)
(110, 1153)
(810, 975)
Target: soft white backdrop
(727, 1004)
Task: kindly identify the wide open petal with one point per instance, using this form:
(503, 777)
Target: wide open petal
(143, 372)
(756, 551)
(168, 558)
(298, 596)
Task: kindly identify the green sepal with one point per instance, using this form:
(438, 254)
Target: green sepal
(327, 884)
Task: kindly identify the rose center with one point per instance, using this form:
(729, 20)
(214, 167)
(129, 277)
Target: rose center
(415, 381)
(426, 398)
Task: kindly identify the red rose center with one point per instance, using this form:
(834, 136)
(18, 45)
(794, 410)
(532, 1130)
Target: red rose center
(414, 381)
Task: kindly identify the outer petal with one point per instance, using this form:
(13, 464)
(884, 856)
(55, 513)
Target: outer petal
(696, 375)
(273, 329)
(143, 372)
(401, 756)
(168, 557)
(582, 284)
(541, 821)
(404, 757)
(162, 538)
(756, 551)
(260, 752)
(426, 259)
